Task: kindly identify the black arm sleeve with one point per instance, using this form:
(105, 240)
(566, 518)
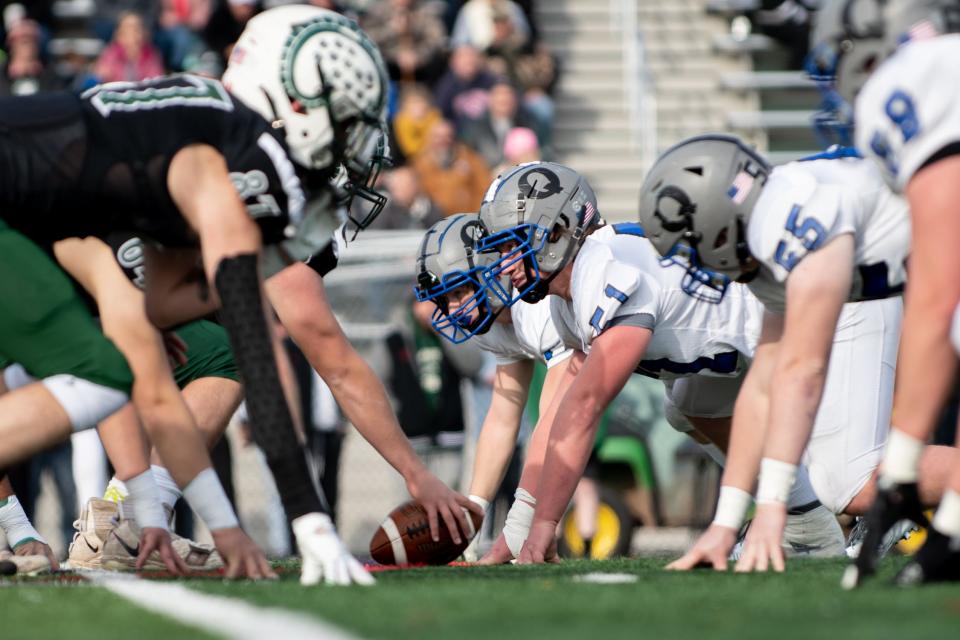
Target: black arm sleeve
(270, 422)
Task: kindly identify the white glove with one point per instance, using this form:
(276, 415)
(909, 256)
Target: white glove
(323, 555)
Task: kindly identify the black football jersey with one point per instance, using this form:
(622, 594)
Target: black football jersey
(88, 165)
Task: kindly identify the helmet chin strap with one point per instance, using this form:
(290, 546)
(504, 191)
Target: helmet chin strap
(541, 289)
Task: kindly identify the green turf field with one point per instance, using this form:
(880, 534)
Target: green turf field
(533, 602)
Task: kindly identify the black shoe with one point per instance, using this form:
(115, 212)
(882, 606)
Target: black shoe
(899, 502)
(587, 547)
(937, 561)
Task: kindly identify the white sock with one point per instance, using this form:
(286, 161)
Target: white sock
(901, 459)
(169, 491)
(801, 493)
(947, 518)
(116, 487)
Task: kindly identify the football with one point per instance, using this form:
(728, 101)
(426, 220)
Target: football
(404, 538)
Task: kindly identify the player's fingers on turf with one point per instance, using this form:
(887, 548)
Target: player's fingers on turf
(234, 566)
(450, 520)
(776, 556)
(252, 566)
(171, 560)
(48, 552)
(179, 562)
(358, 573)
(433, 521)
(265, 569)
(685, 562)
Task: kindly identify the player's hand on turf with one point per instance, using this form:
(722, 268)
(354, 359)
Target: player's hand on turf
(242, 557)
(324, 555)
(712, 548)
(541, 544)
(441, 501)
(499, 553)
(761, 548)
(156, 539)
(37, 548)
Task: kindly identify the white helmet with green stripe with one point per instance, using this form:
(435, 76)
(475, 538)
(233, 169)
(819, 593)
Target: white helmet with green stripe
(317, 75)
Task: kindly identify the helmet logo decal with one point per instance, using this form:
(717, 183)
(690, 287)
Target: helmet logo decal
(539, 183)
(684, 210)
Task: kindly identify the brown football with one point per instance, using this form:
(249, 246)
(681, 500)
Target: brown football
(404, 538)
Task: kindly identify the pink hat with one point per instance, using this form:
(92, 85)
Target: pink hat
(519, 142)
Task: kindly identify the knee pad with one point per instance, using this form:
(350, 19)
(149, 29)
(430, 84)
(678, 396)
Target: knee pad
(85, 402)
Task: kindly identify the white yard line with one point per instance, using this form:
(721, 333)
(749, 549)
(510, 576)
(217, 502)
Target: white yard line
(217, 615)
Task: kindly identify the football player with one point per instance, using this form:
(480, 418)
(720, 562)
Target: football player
(162, 158)
(907, 121)
(631, 314)
(808, 238)
(450, 275)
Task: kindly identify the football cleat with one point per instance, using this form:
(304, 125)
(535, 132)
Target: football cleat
(891, 506)
(899, 532)
(11, 564)
(937, 561)
(97, 518)
(122, 547)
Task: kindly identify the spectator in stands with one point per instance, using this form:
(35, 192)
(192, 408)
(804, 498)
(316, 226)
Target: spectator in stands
(23, 71)
(462, 92)
(414, 119)
(226, 23)
(475, 23)
(519, 146)
(411, 38)
(179, 27)
(408, 207)
(129, 56)
(529, 66)
(487, 133)
(453, 175)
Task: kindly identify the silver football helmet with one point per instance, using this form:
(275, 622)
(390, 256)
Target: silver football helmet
(447, 260)
(542, 211)
(852, 37)
(695, 204)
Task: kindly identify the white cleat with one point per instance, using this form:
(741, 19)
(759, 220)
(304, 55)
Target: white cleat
(324, 557)
(97, 518)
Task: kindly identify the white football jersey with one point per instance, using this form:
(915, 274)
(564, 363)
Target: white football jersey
(618, 277)
(909, 109)
(536, 332)
(805, 204)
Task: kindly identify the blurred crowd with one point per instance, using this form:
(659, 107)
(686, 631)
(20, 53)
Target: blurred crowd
(470, 92)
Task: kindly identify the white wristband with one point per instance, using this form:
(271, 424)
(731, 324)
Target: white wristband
(206, 496)
(143, 502)
(732, 507)
(776, 480)
(484, 504)
(16, 525)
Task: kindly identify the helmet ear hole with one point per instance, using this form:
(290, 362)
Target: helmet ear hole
(696, 170)
(722, 238)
